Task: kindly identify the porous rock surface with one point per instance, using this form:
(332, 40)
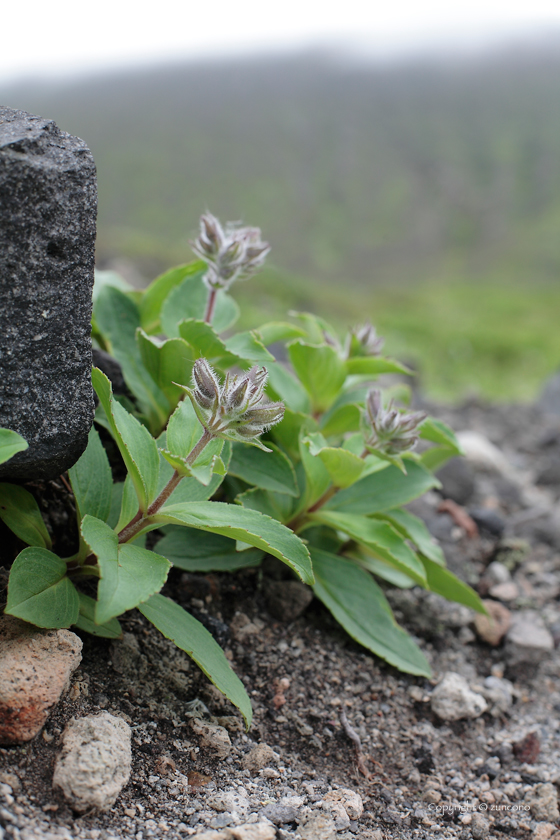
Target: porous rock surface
(452, 699)
(47, 240)
(35, 669)
(95, 762)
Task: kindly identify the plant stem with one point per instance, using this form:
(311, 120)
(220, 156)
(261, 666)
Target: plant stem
(210, 306)
(138, 522)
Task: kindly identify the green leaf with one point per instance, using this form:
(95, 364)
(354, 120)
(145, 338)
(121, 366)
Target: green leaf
(167, 362)
(154, 296)
(129, 574)
(444, 582)
(10, 444)
(283, 386)
(320, 370)
(287, 433)
(269, 470)
(198, 551)
(204, 340)
(183, 430)
(129, 504)
(439, 432)
(20, 512)
(189, 635)
(118, 318)
(344, 467)
(341, 419)
(136, 445)
(279, 331)
(249, 526)
(109, 278)
(436, 456)
(383, 490)
(92, 481)
(358, 603)
(279, 506)
(381, 569)
(248, 345)
(40, 592)
(317, 478)
(415, 530)
(378, 537)
(111, 630)
(189, 301)
(374, 366)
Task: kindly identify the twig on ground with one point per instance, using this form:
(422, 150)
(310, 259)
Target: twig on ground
(355, 738)
(460, 517)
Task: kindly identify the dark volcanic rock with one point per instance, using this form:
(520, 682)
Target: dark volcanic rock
(47, 240)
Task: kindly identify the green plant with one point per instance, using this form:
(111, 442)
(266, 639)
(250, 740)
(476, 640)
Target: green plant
(306, 461)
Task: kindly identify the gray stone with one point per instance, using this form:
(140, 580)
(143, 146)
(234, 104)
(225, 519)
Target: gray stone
(47, 240)
(452, 699)
(279, 814)
(549, 400)
(95, 761)
(457, 480)
(479, 826)
(528, 642)
(543, 802)
(318, 827)
(287, 599)
(498, 693)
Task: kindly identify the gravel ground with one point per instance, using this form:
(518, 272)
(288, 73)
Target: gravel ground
(296, 773)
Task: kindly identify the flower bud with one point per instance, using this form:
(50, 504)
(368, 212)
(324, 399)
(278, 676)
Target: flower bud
(231, 254)
(389, 430)
(364, 341)
(237, 410)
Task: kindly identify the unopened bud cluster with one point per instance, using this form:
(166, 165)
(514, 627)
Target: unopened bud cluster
(231, 253)
(389, 430)
(237, 409)
(364, 341)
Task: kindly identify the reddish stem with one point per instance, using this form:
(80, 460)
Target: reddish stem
(210, 306)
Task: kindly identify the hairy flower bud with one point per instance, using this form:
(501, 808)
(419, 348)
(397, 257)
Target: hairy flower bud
(232, 253)
(364, 341)
(236, 410)
(389, 430)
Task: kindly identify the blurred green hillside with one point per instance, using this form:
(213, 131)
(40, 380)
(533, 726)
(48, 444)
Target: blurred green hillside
(425, 194)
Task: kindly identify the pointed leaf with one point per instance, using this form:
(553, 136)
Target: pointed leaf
(20, 512)
(189, 635)
(383, 490)
(111, 630)
(379, 537)
(129, 574)
(415, 530)
(343, 467)
(189, 301)
(198, 551)
(374, 366)
(10, 444)
(438, 432)
(445, 583)
(157, 292)
(279, 506)
(167, 362)
(283, 386)
(358, 603)
(249, 526)
(320, 370)
(380, 568)
(40, 592)
(279, 331)
(92, 481)
(269, 470)
(129, 504)
(136, 445)
(118, 318)
(248, 345)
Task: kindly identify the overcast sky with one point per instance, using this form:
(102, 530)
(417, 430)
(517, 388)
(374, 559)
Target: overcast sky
(69, 36)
